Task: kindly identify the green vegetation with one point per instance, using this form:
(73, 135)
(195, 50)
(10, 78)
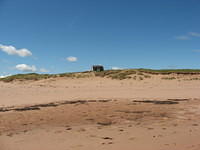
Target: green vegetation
(30, 76)
(86, 74)
(170, 71)
(116, 74)
(36, 77)
(139, 74)
(70, 75)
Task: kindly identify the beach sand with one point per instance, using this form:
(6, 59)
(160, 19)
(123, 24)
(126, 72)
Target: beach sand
(101, 114)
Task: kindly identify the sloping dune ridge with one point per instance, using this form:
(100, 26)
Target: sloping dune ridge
(112, 110)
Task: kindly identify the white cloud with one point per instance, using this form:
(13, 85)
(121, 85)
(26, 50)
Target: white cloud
(194, 34)
(43, 70)
(116, 68)
(72, 59)
(11, 50)
(4, 76)
(183, 37)
(26, 68)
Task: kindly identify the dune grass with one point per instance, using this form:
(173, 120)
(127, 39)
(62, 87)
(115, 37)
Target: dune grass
(170, 71)
(30, 76)
(113, 74)
(116, 74)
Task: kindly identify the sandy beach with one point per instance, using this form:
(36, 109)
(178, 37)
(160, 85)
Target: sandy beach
(101, 113)
(100, 75)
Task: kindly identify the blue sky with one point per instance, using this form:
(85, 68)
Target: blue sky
(71, 35)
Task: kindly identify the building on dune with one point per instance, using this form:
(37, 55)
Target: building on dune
(97, 68)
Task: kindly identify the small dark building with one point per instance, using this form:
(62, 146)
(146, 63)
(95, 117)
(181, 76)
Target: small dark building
(98, 68)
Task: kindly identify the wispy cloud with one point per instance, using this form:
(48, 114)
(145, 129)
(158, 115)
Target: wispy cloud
(195, 34)
(188, 36)
(11, 50)
(183, 37)
(26, 68)
(72, 59)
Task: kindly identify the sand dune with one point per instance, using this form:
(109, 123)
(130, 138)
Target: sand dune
(50, 90)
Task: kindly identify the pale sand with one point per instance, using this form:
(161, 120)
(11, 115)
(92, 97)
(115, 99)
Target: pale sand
(59, 89)
(119, 123)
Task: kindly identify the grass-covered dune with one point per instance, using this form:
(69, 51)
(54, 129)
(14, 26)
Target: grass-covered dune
(114, 74)
(171, 71)
(29, 76)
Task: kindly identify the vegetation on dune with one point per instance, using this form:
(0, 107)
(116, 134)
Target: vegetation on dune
(116, 74)
(170, 71)
(144, 73)
(36, 77)
(139, 74)
(30, 76)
